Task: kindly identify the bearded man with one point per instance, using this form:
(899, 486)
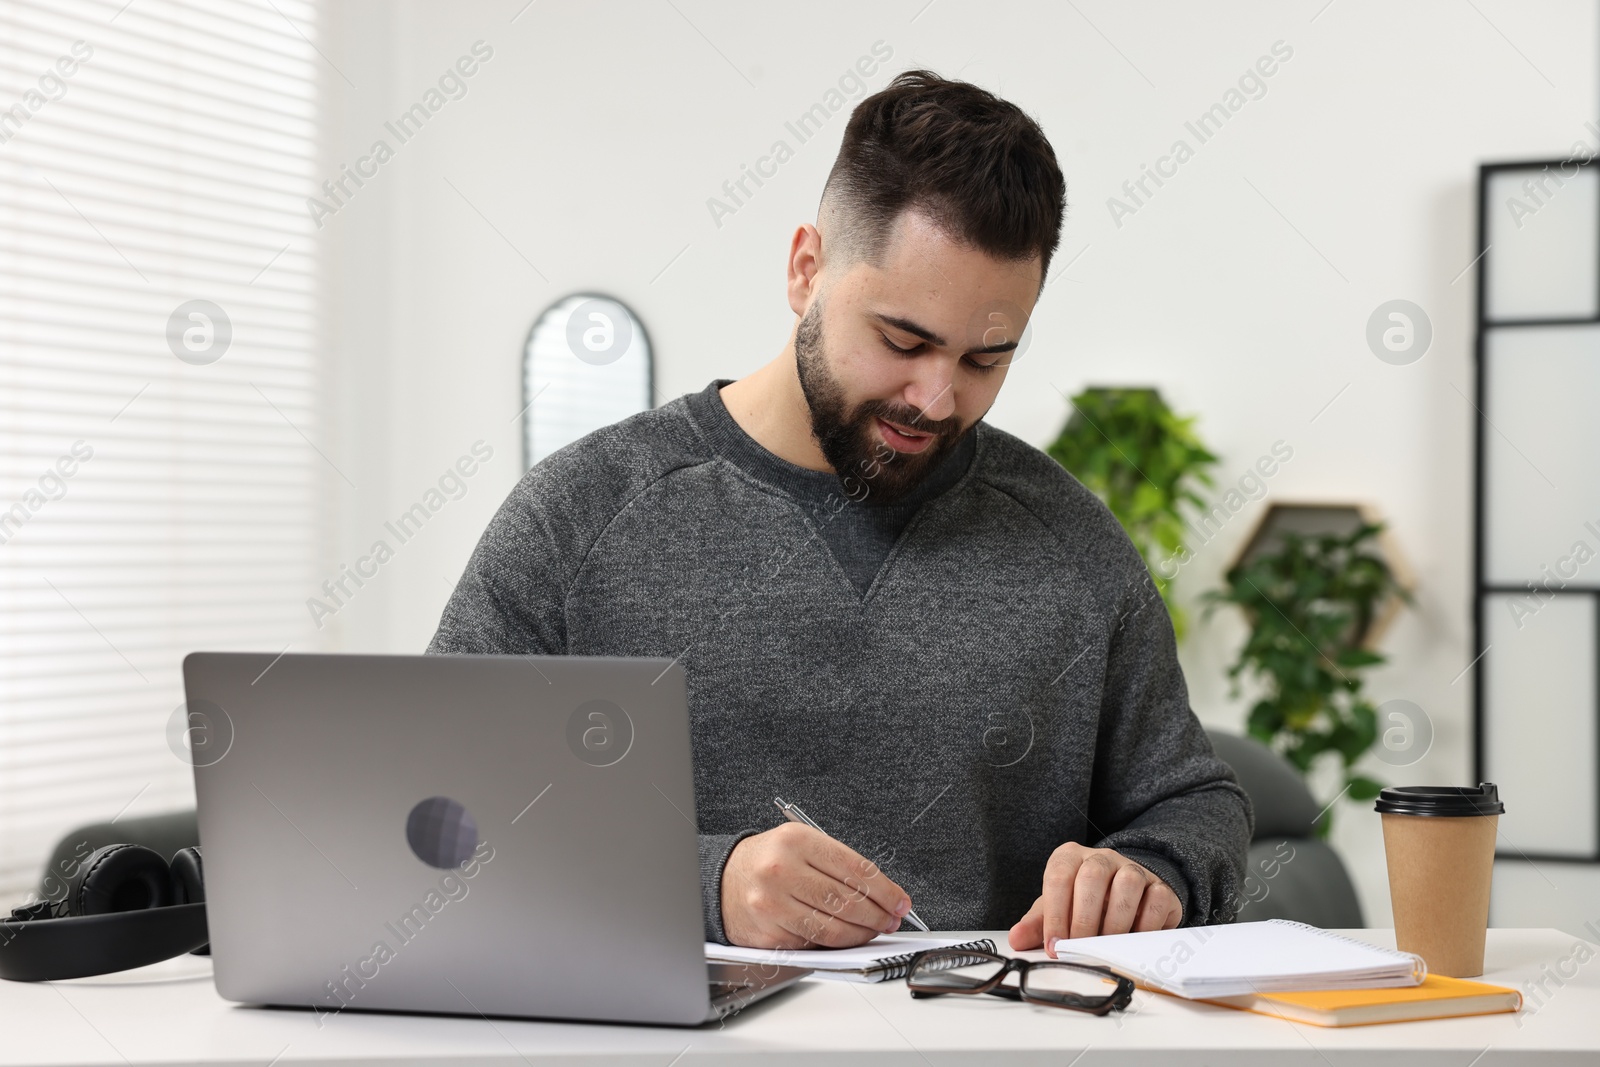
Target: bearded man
(913, 624)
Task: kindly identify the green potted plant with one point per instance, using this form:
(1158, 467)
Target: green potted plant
(1143, 460)
(1311, 602)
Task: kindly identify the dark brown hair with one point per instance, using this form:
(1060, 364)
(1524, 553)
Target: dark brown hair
(976, 165)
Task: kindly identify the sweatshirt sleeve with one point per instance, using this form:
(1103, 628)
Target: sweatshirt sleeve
(714, 852)
(511, 597)
(1161, 796)
(511, 600)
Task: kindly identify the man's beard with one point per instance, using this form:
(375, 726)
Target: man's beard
(867, 468)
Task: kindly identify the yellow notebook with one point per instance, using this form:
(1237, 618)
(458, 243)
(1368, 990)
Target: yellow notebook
(1436, 998)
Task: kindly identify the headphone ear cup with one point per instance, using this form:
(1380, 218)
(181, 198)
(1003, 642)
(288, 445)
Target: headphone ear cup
(119, 878)
(189, 883)
(188, 877)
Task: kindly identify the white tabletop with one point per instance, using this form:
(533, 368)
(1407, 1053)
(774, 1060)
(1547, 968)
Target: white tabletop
(170, 1014)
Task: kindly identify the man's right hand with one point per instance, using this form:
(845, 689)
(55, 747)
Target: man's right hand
(795, 887)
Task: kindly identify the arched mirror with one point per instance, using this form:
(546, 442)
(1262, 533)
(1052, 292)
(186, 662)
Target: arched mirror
(587, 363)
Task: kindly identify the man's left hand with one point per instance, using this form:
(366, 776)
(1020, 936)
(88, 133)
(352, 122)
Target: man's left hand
(1090, 891)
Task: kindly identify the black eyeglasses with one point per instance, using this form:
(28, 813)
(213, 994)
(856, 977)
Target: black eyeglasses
(1079, 987)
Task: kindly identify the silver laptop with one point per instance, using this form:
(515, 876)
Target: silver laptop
(483, 835)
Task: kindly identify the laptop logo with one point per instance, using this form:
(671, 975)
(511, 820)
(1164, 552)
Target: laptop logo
(441, 832)
(599, 733)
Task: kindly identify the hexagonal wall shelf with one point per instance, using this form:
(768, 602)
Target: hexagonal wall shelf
(1311, 519)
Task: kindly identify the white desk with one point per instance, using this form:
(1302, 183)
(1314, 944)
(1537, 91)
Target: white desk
(170, 1014)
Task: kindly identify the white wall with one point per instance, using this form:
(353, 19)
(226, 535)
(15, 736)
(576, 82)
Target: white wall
(589, 143)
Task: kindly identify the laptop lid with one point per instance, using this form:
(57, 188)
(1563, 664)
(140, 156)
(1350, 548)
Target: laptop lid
(497, 835)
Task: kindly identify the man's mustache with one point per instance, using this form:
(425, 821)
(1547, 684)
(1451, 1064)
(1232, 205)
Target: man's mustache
(913, 421)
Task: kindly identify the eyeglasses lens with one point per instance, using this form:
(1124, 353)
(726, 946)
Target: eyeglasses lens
(1055, 981)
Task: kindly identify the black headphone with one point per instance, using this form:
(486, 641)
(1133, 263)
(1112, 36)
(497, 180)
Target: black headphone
(124, 907)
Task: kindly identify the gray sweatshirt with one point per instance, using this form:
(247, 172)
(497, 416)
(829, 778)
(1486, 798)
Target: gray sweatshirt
(1006, 682)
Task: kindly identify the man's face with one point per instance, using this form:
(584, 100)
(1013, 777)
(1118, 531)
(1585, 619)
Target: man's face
(919, 342)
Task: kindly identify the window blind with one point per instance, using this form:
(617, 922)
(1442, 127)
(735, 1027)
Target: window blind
(160, 490)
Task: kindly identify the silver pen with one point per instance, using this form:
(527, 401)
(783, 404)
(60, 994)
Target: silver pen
(794, 814)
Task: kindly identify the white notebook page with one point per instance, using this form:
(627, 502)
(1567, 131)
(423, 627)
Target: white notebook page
(1257, 953)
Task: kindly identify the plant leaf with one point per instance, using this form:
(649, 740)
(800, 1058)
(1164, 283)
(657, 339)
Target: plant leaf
(1363, 788)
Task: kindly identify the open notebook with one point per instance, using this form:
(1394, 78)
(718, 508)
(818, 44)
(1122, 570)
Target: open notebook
(885, 956)
(1272, 956)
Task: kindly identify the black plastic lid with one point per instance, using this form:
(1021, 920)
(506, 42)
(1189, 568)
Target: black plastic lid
(1448, 800)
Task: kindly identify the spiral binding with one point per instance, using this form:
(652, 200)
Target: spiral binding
(900, 966)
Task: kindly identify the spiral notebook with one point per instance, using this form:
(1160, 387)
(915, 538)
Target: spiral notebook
(884, 957)
(1272, 956)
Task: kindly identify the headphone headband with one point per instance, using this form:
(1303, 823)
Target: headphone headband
(38, 950)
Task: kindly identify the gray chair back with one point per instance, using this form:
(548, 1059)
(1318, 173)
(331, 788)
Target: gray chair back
(167, 834)
(1291, 874)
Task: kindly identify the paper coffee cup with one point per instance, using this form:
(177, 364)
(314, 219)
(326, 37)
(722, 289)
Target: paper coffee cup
(1439, 842)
